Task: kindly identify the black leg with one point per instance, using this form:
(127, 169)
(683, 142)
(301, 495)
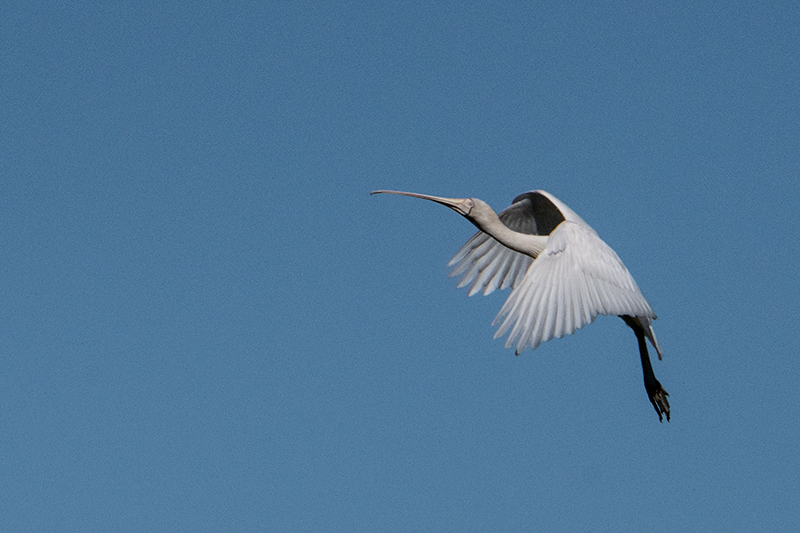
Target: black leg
(656, 393)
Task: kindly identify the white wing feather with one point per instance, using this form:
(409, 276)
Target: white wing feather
(494, 265)
(576, 278)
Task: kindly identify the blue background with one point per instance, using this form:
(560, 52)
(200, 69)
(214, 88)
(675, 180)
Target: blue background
(206, 322)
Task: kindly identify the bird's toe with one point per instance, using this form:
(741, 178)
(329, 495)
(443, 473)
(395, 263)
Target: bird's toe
(658, 397)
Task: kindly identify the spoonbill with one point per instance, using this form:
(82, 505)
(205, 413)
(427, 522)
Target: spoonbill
(561, 273)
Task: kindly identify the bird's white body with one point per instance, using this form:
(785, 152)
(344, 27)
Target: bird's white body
(574, 278)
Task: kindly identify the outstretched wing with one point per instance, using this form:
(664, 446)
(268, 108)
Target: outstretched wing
(487, 264)
(575, 278)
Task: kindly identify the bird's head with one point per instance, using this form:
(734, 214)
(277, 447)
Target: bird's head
(462, 206)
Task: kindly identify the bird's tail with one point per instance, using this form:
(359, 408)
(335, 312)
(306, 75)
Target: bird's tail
(647, 326)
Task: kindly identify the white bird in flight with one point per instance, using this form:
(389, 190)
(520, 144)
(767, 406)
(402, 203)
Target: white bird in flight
(561, 273)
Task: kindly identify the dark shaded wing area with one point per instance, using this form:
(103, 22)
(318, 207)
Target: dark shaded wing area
(532, 213)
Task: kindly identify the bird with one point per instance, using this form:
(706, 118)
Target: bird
(562, 275)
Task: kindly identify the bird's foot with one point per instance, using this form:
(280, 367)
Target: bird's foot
(658, 397)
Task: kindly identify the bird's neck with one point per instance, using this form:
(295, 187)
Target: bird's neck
(531, 245)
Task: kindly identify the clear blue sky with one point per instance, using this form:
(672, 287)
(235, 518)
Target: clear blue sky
(206, 322)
